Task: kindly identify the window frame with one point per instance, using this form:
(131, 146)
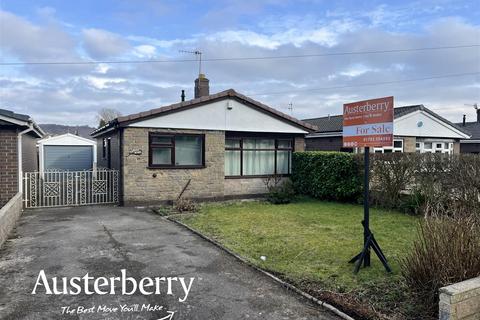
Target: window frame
(275, 149)
(391, 149)
(171, 146)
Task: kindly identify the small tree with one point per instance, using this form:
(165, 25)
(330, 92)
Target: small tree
(106, 115)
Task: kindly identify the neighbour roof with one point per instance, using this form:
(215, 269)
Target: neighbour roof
(22, 120)
(230, 93)
(13, 115)
(473, 128)
(65, 137)
(335, 123)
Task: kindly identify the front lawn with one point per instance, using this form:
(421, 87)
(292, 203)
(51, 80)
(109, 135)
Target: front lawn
(309, 243)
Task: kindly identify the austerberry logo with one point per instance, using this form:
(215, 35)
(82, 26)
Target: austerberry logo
(124, 285)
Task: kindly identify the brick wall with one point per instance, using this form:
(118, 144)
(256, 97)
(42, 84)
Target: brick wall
(299, 144)
(8, 164)
(140, 185)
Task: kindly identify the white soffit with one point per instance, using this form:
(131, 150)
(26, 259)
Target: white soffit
(225, 115)
(422, 124)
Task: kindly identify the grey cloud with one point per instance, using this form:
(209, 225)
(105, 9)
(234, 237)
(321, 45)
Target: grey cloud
(101, 44)
(29, 42)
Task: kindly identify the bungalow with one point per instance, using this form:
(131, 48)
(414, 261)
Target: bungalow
(416, 129)
(18, 153)
(212, 147)
(471, 145)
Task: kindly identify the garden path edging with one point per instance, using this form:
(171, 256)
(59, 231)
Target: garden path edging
(287, 285)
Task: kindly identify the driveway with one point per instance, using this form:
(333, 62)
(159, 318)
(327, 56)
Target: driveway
(101, 241)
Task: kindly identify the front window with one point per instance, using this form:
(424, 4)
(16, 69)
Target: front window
(257, 156)
(435, 147)
(397, 147)
(178, 150)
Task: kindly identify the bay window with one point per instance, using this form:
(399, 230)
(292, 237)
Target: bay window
(257, 156)
(176, 150)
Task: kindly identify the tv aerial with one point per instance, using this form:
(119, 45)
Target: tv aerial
(198, 55)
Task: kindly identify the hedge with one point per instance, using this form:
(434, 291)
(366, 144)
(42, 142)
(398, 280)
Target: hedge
(327, 175)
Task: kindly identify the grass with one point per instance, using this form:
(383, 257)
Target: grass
(309, 242)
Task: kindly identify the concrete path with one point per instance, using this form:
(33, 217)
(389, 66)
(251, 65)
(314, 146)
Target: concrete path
(101, 241)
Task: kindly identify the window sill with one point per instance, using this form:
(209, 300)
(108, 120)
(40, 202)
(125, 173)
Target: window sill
(257, 176)
(175, 167)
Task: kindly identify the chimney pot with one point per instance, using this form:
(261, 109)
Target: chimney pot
(464, 119)
(202, 87)
(478, 115)
(183, 95)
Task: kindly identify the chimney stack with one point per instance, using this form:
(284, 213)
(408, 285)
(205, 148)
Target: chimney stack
(183, 95)
(464, 119)
(202, 87)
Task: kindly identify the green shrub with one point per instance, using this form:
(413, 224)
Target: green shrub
(280, 192)
(391, 174)
(327, 175)
(447, 251)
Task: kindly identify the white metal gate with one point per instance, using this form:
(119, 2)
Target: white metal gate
(70, 188)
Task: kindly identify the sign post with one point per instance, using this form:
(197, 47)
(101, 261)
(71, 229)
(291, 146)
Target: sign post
(368, 124)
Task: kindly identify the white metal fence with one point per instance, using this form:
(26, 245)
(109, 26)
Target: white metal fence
(70, 188)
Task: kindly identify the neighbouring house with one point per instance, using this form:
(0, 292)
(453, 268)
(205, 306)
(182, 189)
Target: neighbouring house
(471, 145)
(18, 153)
(215, 146)
(416, 129)
(67, 152)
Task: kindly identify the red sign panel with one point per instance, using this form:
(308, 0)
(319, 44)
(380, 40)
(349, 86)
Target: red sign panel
(368, 123)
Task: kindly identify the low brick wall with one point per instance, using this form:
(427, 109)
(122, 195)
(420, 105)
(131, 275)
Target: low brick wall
(9, 215)
(460, 301)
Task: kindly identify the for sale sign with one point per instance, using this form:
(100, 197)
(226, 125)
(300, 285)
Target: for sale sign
(368, 123)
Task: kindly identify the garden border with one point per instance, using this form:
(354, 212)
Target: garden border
(287, 285)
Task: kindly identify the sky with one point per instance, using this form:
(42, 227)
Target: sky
(128, 30)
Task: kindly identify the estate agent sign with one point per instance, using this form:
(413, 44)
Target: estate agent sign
(368, 123)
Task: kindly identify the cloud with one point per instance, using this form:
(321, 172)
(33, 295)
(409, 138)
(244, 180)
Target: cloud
(145, 51)
(315, 85)
(28, 42)
(100, 44)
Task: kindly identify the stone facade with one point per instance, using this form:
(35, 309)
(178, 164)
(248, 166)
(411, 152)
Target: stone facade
(409, 144)
(242, 187)
(8, 164)
(142, 184)
(456, 148)
(460, 301)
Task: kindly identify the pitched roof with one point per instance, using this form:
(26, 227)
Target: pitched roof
(13, 115)
(176, 107)
(22, 120)
(335, 123)
(473, 128)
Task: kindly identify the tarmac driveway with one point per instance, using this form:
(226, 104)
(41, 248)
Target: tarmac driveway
(101, 241)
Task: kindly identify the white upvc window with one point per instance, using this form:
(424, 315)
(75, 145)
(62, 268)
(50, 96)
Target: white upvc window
(397, 147)
(434, 147)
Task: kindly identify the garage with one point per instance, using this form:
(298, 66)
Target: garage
(67, 152)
